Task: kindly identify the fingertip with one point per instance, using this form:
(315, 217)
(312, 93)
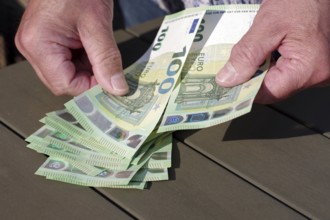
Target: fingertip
(117, 84)
(228, 76)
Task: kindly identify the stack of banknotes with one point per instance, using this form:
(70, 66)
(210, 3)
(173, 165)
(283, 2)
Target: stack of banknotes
(102, 140)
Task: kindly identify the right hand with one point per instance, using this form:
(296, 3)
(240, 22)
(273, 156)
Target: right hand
(299, 30)
(71, 46)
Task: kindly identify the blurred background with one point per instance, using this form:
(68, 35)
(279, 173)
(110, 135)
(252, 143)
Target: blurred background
(10, 15)
(126, 13)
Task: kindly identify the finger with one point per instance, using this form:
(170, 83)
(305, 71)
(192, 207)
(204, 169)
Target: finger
(104, 56)
(250, 52)
(55, 67)
(51, 58)
(20, 40)
(282, 80)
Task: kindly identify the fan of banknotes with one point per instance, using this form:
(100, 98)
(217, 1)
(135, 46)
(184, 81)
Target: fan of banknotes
(101, 140)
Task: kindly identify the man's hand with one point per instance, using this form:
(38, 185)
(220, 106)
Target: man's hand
(71, 46)
(299, 30)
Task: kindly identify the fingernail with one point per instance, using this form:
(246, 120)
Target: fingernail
(227, 75)
(119, 83)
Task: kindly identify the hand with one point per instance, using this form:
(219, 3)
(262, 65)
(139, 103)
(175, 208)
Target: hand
(300, 31)
(71, 46)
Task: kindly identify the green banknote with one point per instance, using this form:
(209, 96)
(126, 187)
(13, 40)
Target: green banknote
(60, 169)
(69, 128)
(39, 144)
(65, 123)
(53, 143)
(162, 158)
(102, 140)
(123, 123)
(198, 102)
(151, 174)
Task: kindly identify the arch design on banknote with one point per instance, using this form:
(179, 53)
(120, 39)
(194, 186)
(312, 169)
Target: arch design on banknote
(201, 91)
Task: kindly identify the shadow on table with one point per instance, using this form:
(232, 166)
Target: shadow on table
(264, 123)
(310, 107)
(261, 123)
(175, 163)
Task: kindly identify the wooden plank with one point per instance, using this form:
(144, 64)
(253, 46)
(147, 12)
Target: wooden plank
(146, 31)
(24, 99)
(27, 196)
(200, 189)
(275, 153)
(311, 107)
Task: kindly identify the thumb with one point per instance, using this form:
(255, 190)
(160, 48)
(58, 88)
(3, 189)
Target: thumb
(105, 58)
(248, 54)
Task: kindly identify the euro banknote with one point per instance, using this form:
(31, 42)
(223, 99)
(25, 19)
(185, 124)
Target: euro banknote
(63, 170)
(198, 102)
(123, 123)
(102, 140)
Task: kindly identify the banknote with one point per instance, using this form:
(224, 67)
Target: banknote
(102, 140)
(198, 102)
(138, 181)
(65, 123)
(69, 128)
(130, 185)
(61, 169)
(48, 141)
(151, 174)
(162, 158)
(123, 123)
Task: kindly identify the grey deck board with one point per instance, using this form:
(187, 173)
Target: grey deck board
(200, 189)
(27, 196)
(275, 153)
(24, 99)
(311, 107)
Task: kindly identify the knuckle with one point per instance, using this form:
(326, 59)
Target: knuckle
(111, 56)
(25, 40)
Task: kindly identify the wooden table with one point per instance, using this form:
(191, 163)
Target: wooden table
(273, 163)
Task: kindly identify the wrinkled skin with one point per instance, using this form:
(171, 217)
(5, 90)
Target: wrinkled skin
(299, 30)
(70, 45)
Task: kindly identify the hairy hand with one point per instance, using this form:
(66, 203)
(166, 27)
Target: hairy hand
(70, 45)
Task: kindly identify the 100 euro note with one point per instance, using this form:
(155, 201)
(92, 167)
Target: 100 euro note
(84, 146)
(122, 124)
(198, 102)
(55, 144)
(134, 177)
